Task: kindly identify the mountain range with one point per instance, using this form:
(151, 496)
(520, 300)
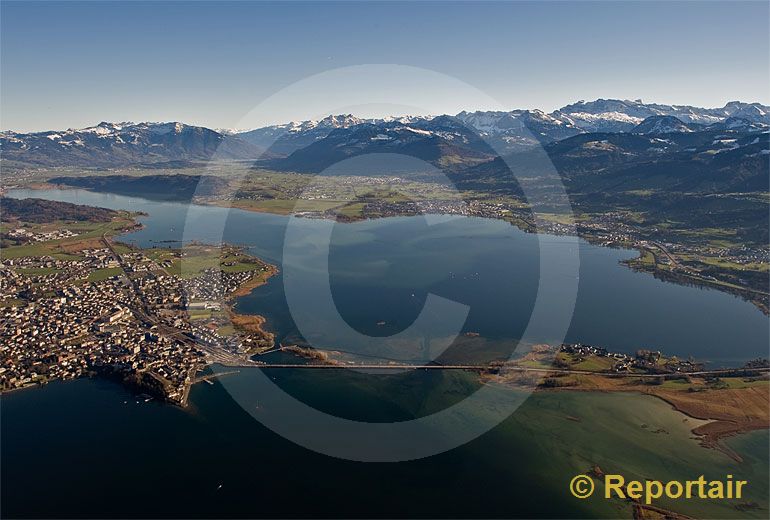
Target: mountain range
(113, 145)
(689, 145)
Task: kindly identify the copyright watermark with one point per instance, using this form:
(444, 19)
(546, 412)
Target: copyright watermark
(305, 256)
(582, 486)
(616, 486)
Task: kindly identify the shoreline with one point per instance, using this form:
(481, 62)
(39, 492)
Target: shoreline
(718, 428)
(720, 425)
(753, 296)
(712, 434)
(253, 323)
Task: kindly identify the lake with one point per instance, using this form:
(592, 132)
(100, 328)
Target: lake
(90, 448)
(382, 271)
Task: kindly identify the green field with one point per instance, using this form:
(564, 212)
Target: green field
(121, 248)
(202, 314)
(197, 258)
(90, 235)
(595, 363)
(102, 274)
(226, 330)
(284, 206)
(37, 271)
(740, 382)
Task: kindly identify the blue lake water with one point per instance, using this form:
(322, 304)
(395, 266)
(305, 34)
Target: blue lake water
(383, 270)
(92, 449)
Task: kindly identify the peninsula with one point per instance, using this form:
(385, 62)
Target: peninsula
(74, 302)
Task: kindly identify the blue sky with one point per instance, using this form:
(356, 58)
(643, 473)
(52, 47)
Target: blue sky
(70, 64)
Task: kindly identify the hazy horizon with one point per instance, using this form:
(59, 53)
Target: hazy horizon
(354, 114)
(72, 65)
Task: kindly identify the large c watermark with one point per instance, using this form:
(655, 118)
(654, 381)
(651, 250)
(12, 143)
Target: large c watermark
(311, 303)
(307, 283)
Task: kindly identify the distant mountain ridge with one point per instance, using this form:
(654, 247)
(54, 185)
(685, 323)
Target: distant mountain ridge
(626, 112)
(661, 125)
(286, 138)
(515, 129)
(444, 141)
(124, 144)
(447, 141)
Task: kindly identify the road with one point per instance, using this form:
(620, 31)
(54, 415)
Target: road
(510, 368)
(209, 377)
(225, 358)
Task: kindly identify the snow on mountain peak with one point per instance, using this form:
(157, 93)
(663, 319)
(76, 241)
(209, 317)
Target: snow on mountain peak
(656, 125)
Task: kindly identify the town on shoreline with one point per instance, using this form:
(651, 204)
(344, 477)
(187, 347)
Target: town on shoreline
(699, 257)
(76, 303)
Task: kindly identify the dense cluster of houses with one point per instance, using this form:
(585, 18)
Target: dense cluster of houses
(25, 235)
(56, 323)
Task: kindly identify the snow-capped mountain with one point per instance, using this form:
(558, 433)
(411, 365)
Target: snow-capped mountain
(592, 115)
(661, 125)
(285, 138)
(754, 112)
(443, 141)
(282, 140)
(601, 122)
(122, 144)
(509, 131)
(461, 137)
(615, 115)
(738, 124)
(516, 129)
